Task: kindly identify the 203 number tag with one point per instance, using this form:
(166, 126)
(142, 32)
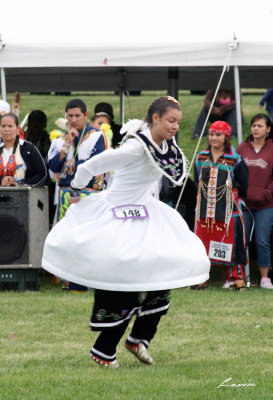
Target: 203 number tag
(130, 211)
(220, 251)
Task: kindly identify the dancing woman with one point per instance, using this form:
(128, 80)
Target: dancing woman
(129, 246)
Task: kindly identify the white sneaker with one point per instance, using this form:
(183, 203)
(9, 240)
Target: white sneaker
(266, 283)
(228, 285)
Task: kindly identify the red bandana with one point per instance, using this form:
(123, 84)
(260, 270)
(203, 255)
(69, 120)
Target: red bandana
(220, 127)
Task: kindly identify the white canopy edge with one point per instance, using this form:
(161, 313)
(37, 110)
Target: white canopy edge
(175, 55)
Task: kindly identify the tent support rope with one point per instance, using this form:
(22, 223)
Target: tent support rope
(225, 68)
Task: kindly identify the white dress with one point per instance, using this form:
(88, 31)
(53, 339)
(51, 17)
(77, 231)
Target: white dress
(91, 247)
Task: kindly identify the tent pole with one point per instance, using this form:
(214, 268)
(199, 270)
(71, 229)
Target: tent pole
(238, 104)
(173, 75)
(3, 85)
(122, 86)
(121, 106)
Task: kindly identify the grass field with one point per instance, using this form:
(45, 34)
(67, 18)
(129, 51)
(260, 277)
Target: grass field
(206, 338)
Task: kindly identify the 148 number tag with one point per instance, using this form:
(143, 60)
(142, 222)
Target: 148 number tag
(130, 211)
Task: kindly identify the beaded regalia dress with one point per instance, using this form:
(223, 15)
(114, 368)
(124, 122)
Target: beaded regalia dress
(219, 218)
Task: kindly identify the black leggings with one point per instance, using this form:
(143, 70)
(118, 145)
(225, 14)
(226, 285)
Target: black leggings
(143, 330)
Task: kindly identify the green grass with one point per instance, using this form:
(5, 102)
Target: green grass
(205, 338)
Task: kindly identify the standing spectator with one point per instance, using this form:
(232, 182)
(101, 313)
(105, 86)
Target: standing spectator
(222, 178)
(4, 109)
(36, 132)
(268, 99)
(20, 161)
(66, 153)
(107, 110)
(257, 152)
(224, 109)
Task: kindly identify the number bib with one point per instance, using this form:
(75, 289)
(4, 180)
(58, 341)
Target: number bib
(130, 211)
(220, 251)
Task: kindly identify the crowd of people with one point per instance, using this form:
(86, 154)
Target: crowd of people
(112, 234)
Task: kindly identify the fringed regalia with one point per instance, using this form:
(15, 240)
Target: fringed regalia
(219, 219)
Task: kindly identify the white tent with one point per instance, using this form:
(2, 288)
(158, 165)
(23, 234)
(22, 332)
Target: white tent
(55, 46)
(121, 46)
(194, 65)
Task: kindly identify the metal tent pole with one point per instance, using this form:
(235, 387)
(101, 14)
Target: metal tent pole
(121, 106)
(173, 75)
(238, 104)
(122, 88)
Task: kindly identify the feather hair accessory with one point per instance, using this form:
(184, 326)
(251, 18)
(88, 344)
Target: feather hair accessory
(133, 125)
(62, 123)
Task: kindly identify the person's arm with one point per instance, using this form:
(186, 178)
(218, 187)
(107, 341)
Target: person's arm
(36, 173)
(55, 164)
(208, 98)
(269, 189)
(241, 179)
(196, 173)
(265, 97)
(106, 161)
(225, 108)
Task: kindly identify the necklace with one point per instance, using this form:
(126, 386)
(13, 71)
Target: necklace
(213, 194)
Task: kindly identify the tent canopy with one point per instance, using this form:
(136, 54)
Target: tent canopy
(55, 47)
(195, 65)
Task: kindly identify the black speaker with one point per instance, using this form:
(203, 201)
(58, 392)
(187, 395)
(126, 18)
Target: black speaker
(23, 226)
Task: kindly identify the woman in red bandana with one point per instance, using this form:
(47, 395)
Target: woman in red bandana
(222, 178)
(20, 161)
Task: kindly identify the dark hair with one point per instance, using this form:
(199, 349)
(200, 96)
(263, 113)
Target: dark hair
(97, 116)
(38, 115)
(267, 121)
(76, 103)
(12, 115)
(106, 108)
(160, 106)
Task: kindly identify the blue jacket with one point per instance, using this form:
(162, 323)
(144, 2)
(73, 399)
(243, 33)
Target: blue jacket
(268, 99)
